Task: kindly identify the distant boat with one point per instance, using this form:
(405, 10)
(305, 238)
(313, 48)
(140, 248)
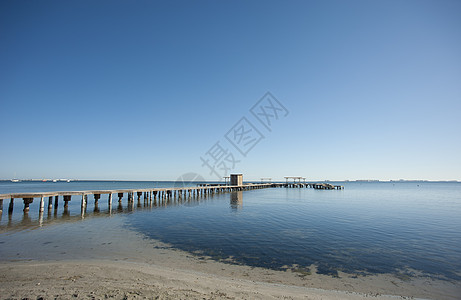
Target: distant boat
(15, 180)
(68, 180)
(55, 180)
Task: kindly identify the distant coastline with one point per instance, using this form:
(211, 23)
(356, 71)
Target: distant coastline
(315, 181)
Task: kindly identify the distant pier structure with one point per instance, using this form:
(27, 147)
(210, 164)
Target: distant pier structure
(236, 179)
(296, 183)
(155, 194)
(299, 178)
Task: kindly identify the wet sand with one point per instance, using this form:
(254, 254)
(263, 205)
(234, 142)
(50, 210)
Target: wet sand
(138, 268)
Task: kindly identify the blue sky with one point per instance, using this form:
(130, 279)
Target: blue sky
(142, 90)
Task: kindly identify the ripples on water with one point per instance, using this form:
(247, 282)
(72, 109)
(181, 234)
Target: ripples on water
(366, 228)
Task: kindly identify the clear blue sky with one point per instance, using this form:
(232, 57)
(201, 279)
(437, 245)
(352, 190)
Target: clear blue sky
(141, 90)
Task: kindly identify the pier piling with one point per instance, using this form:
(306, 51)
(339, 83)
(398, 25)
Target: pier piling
(10, 207)
(96, 199)
(83, 204)
(67, 198)
(42, 204)
(27, 202)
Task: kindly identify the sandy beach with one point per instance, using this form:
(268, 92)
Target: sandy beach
(143, 269)
(102, 279)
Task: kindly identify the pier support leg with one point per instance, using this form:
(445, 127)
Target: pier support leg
(109, 202)
(1, 206)
(96, 199)
(10, 207)
(27, 202)
(83, 206)
(56, 199)
(50, 202)
(120, 196)
(67, 198)
(42, 204)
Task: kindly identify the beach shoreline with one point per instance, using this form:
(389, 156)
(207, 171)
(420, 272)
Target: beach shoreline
(145, 269)
(129, 280)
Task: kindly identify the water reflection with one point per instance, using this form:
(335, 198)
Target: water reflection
(236, 200)
(96, 208)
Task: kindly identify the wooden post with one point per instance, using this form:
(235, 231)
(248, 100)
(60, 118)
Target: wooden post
(10, 207)
(1, 205)
(109, 201)
(83, 206)
(56, 198)
(50, 202)
(27, 202)
(96, 199)
(42, 204)
(66, 201)
(120, 196)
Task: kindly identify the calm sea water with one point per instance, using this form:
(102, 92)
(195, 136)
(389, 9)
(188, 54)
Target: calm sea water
(367, 228)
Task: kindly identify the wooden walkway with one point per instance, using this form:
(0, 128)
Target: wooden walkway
(146, 194)
(317, 186)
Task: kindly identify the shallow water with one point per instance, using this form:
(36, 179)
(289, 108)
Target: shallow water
(402, 227)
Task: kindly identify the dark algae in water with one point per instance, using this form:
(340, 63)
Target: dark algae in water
(364, 229)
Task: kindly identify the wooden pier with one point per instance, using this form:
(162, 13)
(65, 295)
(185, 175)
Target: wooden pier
(317, 186)
(51, 199)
